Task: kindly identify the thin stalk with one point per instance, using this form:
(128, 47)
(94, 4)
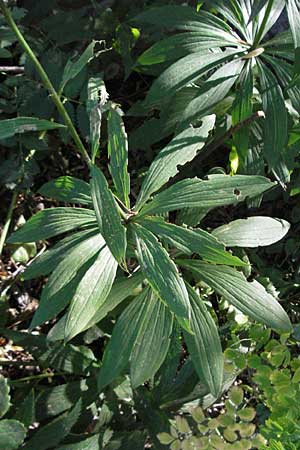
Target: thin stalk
(261, 30)
(46, 81)
(8, 221)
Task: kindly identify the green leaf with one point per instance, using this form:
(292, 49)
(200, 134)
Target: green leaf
(204, 345)
(191, 241)
(10, 127)
(143, 328)
(72, 69)
(26, 410)
(91, 293)
(51, 222)
(4, 396)
(161, 272)
(218, 190)
(275, 128)
(293, 10)
(68, 358)
(256, 8)
(118, 154)
(252, 232)
(185, 71)
(97, 98)
(108, 216)
(250, 298)
(12, 434)
(54, 432)
(91, 443)
(180, 150)
(49, 260)
(68, 189)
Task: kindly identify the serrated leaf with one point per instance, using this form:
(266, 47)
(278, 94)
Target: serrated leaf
(218, 190)
(249, 297)
(191, 241)
(68, 189)
(54, 432)
(10, 127)
(4, 396)
(118, 154)
(236, 395)
(12, 434)
(180, 150)
(91, 293)
(252, 232)
(204, 345)
(161, 272)
(108, 216)
(52, 222)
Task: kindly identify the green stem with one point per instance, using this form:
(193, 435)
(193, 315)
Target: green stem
(38, 377)
(8, 221)
(261, 30)
(46, 81)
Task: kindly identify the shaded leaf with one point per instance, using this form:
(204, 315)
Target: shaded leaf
(68, 189)
(10, 127)
(12, 434)
(4, 396)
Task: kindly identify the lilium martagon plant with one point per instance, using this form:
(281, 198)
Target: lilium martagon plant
(88, 273)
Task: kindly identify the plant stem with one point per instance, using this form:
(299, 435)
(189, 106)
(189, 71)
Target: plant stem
(261, 30)
(8, 221)
(46, 81)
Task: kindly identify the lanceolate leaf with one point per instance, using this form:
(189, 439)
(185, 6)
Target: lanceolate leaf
(275, 129)
(68, 189)
(186, 71)
(10, 127)
(108, 216)
(204, 345)
(52, 222)
(97, 97)
(180, 150)
(12, 434)
(252, 232)
(144, 330)
(91, 293)
(4, 396)
(161, 272)
(218, 190)
(191, 241)
(250, 298)
(293, 10)
(118, 154)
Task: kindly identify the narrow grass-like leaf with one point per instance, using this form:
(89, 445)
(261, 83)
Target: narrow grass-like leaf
(191, 241)
(68, 189)
(218, 190)
(118, 154)
(97, 97)
(293, 10)
(10, 127)
(12, 434)
(252, 232)
(52, 222)
(250, 298)
(180, 150)
(91, 293)
(204, 345)
(108, 216)
(144, 329)
(161, 272)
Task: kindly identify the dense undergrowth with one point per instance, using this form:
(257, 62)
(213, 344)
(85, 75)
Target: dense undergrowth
(150, 217)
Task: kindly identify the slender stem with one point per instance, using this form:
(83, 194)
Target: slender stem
(46, 81)
(8, 221)
(16, 69)
(38, 377)
(261, 30)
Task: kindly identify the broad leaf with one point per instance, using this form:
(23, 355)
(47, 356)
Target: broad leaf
(94, 442)
(4, 396)
(54, 432)
(252, 232)
(12, 434)
(68, 189)
(218, 190)
(52, 222)
(204, 345)
(161, 272)
(180, 150)
(118, 154)
(10, 127)
(144, 329)
(191, 241)
(108, 216)
(250, 298)
(91, 293)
